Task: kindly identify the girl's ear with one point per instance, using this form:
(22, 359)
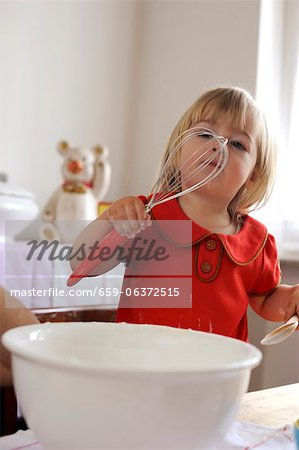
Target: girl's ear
(251, 179)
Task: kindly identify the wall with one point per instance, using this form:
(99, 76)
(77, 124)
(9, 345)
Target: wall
(185, 47)
(65, 74)
(119, 73)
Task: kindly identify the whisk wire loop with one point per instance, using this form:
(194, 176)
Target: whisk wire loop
(208, 157)
(211, 150)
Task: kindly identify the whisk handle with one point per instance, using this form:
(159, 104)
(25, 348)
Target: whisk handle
(89, 264)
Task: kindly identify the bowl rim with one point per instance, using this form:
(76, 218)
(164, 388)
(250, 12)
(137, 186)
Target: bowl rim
(17, 349)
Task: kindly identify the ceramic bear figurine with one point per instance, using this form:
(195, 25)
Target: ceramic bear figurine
(87, 174)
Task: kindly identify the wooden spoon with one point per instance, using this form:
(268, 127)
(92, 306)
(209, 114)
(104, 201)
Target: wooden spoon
(281, 333)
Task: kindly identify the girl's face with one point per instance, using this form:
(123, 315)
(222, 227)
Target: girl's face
(238, 171)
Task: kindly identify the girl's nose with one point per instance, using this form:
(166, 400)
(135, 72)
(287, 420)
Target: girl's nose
(75, 166)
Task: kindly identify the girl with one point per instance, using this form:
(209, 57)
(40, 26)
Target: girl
(234, 259)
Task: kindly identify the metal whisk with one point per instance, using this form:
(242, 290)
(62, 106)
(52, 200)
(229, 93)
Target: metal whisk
(197, 156)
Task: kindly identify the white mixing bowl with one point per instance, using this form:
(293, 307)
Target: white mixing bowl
(106, 385)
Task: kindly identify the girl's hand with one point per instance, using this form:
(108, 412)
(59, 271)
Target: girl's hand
(128, 216)
(293, 304)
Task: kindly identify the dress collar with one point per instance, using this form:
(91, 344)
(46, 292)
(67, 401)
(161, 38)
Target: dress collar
(242, 247)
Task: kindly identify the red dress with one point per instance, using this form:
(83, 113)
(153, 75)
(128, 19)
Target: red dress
(214, 274)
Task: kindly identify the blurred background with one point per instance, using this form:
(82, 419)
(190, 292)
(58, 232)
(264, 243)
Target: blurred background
(121, 74)
(116, 73)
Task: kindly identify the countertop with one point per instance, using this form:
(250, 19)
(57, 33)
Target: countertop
(273, 407)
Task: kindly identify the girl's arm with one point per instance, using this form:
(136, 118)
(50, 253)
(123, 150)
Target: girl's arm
(12, 314)
(127, 216)
(279, 305)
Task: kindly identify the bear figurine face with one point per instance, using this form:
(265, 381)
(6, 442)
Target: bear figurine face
(79, 165)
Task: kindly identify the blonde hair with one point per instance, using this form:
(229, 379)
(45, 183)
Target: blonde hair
(240, 108)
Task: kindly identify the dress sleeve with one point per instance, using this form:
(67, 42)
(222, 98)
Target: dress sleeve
(143, 198)
(269, 274)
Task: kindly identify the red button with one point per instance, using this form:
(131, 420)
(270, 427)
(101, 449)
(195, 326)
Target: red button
(206, 267)
(211, 244)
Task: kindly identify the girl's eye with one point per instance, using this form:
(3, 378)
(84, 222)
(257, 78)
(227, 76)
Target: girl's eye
(207, 134)
(238, 145)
